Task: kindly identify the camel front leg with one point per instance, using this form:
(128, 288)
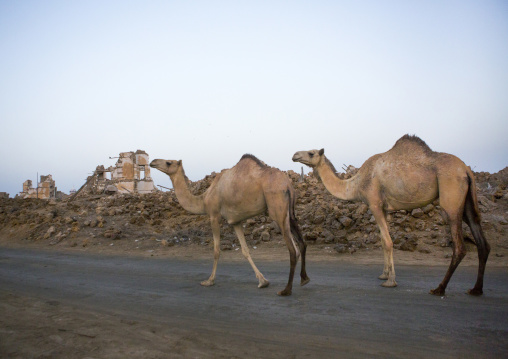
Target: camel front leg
(263, 283)
(216, 251)
(387, 243)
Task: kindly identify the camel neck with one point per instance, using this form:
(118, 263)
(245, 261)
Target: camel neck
(342, 189)
(188, 201)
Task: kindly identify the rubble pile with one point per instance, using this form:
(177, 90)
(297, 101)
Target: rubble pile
(157, 219)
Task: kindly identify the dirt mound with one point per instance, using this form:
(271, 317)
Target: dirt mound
(152, 220)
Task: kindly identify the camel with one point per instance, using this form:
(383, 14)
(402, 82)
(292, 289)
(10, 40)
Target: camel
(408, 176)
(248, 189)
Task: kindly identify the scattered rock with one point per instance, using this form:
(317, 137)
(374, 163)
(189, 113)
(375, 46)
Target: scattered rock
(50, 232)
(346, 221)
(318, 219)
(362, 209)
(226, 245)
(417, 213)
(113, 233)
(428, 208)
(341, 248)
(265, 236)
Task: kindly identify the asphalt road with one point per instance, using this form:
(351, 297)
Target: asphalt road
(343, 312)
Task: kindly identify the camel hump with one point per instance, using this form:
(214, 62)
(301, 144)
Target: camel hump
(248, 156)
(412, 140)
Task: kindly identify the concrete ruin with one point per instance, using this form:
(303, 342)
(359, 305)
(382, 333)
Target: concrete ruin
(130, 174)
(45, 189)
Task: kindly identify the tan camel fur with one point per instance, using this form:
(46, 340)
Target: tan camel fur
(408, 176)
(244, 191)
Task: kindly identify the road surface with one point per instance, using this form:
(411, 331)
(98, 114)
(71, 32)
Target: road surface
(87, 305)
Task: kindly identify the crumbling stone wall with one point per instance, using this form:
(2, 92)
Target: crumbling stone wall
(45, 189)
(130, 174)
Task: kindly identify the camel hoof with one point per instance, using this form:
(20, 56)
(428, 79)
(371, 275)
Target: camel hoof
(305, 281)
(389, 284)
(383, 276)
(475, 292)
(438, 291)
(263, 283)
(207, 283)
(284, 293)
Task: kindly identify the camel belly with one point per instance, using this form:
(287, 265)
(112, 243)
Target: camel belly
(238, 211)
(407, 195)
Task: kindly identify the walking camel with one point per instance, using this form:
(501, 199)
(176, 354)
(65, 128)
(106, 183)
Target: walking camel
(408, 176)
(244, 191)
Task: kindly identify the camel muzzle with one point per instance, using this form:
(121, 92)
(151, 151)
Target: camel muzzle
(296, 157)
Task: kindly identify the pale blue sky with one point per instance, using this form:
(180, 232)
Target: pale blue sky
(207, 81)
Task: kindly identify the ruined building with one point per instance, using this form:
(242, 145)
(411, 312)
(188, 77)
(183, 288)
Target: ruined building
(130, 174)
(45, 189)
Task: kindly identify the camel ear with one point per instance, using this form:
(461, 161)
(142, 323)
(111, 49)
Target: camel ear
(321, 151)
(179, 162)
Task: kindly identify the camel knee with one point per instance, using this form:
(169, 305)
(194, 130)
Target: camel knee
(295, 251)
(459, 256)
(246, 253)
(459, 251)
(387, 246)
(297, 256)
(293, 257)
(486, 250)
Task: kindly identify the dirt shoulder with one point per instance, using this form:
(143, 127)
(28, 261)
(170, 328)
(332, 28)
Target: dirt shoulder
(274, 251)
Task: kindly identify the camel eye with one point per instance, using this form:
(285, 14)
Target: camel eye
(311, 154)
(168, 163)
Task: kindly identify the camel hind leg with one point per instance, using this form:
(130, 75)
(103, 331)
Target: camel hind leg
(278, 209)
(459, 252)
(452, 196)
(294, 253)
(297, 234)
(263, 283)
(472, 218)
(295, 231)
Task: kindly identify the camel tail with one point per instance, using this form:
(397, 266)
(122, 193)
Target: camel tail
(472, 197)
(472, 215)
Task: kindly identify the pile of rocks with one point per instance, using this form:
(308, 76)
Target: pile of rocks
(158, 219)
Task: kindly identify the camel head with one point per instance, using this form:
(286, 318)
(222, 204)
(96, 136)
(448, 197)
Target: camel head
(169, 167)
(310, 158)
